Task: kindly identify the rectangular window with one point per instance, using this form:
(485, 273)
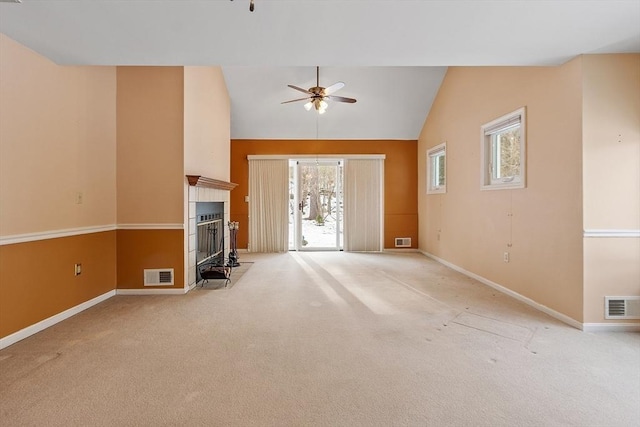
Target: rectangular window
(436, 169)
(503, 152)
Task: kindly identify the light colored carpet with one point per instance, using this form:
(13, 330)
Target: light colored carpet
(340, 339)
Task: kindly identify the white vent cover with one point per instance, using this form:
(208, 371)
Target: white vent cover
(622, 307)
(403, 242)
(158, 277)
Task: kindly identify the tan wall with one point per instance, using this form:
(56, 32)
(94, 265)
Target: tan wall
(400, 213)
(611, 268)
(207, 118)
(37, 279)
(543, 221)
(141, 249)
(611, 129)
(57, 139)
(150, 172)
(113, 135)
(150, 149)
(611, 157)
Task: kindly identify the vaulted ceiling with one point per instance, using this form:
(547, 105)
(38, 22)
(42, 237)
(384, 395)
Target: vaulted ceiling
(391, 54)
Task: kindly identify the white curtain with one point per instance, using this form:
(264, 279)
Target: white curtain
(363, 200)
(268, 205)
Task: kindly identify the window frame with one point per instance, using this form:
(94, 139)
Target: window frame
(487, 149)
(434, 153)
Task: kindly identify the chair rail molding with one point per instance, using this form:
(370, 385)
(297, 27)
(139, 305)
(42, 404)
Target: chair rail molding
(54, 234)
(611, 233)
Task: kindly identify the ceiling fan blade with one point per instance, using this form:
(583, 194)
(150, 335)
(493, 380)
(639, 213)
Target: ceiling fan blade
(300, 89)
(341, 99)
(296, 100)
(333, 88)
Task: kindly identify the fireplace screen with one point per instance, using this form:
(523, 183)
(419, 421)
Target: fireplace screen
(210, 238)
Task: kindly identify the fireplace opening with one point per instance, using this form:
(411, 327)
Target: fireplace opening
(210, 245)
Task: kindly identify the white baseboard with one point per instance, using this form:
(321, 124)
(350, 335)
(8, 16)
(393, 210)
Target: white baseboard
(611, 327)
(173, 291)
(44, 324)
(562, 317)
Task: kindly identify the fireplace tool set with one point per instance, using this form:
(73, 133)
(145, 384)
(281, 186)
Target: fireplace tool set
(233, 236)
(217, 270)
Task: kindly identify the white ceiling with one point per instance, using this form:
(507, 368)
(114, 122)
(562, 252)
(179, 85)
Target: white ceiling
(391, 54)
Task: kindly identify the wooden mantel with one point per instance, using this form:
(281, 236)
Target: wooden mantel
(203, 181)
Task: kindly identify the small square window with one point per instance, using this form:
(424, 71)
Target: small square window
(503, 152)
(437, 169)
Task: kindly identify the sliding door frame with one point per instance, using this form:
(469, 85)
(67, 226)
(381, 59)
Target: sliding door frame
(336, 157)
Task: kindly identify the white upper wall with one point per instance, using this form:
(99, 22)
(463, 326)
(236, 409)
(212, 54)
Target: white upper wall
(207, 116)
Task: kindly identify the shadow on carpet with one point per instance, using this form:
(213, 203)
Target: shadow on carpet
(217, 284)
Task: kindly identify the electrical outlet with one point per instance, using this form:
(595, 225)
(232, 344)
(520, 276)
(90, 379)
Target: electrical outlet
(77, 269)
(505, 257)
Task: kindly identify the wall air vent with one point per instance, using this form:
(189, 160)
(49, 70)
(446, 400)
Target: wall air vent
(403, 242)
(622, 307)
(158, 277)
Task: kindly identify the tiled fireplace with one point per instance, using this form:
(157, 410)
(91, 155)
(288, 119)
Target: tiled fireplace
(202, 192)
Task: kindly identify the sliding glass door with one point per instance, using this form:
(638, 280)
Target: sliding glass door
(315, 205)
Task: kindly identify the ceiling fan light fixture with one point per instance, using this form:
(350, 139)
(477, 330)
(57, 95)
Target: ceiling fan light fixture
(320, 105)
(308, 106)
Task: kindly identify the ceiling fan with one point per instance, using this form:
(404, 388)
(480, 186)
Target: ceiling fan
(319, 95)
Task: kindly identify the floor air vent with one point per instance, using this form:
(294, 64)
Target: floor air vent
(403, 242)
(622, 307)
(158, 277)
